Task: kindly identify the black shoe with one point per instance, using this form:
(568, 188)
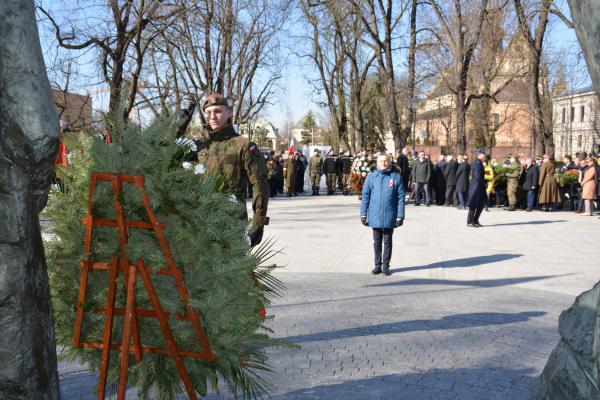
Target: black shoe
(386, 270)
(376, 270)
(487, 209)
(417, 204)
(471, 225)
(426, 205)
(511, 208)
(477, 225)
(528, 209)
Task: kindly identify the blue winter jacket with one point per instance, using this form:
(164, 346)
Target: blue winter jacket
(383, 199)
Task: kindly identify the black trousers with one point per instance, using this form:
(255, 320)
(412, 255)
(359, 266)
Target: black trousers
(450, 195)
(382, 235)
(474, 213)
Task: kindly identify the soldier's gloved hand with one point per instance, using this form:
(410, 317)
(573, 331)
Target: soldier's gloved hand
(363, 219)
(255, 234)
(399, 222)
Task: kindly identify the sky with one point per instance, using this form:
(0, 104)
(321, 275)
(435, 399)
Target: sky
(296, 96)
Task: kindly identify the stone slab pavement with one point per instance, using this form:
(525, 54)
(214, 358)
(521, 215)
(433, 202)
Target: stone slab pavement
(467, 314)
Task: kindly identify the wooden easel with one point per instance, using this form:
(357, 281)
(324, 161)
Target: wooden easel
(122, 264)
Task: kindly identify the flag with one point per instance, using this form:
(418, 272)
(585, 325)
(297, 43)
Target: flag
(292, 144)
(61, 157)
(108, 139)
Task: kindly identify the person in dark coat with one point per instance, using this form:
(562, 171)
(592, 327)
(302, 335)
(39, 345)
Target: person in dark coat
(440, 180)
(279, 177)
(477, 194)
(530, 182)
(450, 175)
(299, 168)
(402, 163)
(421, 175)
(462, 181)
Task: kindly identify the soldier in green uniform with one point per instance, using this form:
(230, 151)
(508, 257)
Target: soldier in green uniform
(238, 160)
(513, 173)
(290, 175)
(316, 170)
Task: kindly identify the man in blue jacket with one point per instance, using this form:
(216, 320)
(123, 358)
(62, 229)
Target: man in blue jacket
(382, 208)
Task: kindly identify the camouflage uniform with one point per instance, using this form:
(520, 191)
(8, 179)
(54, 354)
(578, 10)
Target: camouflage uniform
(239, 161)
(346, 172)
(512, 183)
(290, 176)
(316, 170)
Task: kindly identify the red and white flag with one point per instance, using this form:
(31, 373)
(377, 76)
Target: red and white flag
(292, 144)
(108, 138)
(61, 157)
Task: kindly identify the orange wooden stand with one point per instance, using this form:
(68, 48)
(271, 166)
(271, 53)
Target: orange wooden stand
(122, 264)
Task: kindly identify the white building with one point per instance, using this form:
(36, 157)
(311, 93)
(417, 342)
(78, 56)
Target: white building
(260, 124)
(576, 121)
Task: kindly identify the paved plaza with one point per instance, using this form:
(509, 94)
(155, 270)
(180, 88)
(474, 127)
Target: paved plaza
(468, 313)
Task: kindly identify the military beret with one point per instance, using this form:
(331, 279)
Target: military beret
(215, 99)
(479, 151)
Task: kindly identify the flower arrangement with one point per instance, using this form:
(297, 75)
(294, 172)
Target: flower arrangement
(568, 177)
(360, 169)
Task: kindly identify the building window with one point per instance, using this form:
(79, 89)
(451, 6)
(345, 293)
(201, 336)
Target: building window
(82, 121)
(564, 113)
(579, 140)
(562, 142)
(581, 113)
(572, 114)
(496, 121)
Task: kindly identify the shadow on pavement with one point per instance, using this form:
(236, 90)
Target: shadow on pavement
(478, 283)
(528, 223)
(461, 262)
(458, 321)
(460, 383)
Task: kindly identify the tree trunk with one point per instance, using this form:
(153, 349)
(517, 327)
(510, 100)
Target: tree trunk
(29, 137)
(535, 104)
(461, 134)
(406, 132)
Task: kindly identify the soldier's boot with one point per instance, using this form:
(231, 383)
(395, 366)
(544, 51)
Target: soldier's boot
(314, 193)
(386, 270)
(376, 270)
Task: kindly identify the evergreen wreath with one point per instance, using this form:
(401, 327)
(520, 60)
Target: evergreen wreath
(227, 282)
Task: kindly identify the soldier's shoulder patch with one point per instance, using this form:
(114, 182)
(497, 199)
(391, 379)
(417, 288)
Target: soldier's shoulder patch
(252, 147)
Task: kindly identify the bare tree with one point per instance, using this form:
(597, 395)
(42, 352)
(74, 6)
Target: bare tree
(328, 57)
(535, 41)
(460, 31)
(381, 19)
(231, 47)
(533, 26)
(497, 65)
(120, 39)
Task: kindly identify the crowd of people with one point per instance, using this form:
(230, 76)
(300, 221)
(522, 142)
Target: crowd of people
(514, 183)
